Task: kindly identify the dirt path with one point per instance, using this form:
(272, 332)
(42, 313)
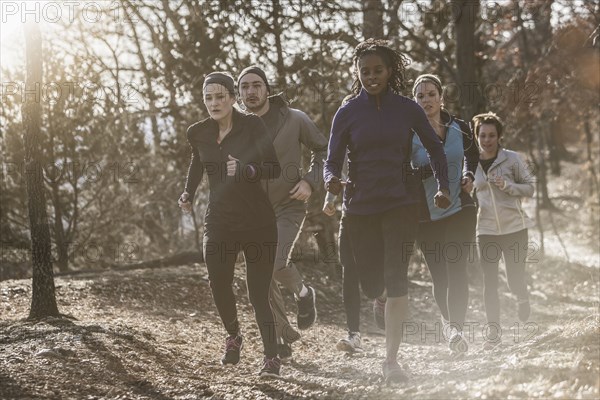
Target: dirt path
(156, 335)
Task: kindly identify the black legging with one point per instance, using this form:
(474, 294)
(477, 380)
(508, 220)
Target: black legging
(382, 244)
(351, 289)
(221, 247)
(514, 248)
(446, 245)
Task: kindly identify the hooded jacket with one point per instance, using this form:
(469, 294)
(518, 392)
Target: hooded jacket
(500, 211)
(293, 128)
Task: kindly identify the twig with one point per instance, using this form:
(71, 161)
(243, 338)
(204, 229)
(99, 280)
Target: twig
(558, 236)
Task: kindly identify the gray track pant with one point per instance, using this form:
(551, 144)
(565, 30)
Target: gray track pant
(290, 218)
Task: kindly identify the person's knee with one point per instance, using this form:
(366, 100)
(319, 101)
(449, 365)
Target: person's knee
(259, 298)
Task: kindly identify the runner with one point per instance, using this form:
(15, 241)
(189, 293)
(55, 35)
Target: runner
(375, 127)
(289, 129)
(501, 180)
(235, 152)
(445, 234)
(352, 343)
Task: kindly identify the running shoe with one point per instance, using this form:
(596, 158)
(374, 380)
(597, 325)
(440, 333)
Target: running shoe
(271, 368)
(233, 346)
(307, 310)
(351, 344)
(458, 344)
(392, 372)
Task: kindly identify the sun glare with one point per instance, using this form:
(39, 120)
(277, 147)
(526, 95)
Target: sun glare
(11, 37)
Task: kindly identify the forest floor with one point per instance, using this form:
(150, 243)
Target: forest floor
(155, 334)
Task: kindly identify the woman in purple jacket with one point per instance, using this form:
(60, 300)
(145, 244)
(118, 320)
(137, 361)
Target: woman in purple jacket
(374, 126)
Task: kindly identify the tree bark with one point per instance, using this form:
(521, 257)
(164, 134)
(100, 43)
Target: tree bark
(372, 19)
(466, 13)
(43, 301)
(277, 32)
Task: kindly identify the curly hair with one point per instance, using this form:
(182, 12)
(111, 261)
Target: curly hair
(391, 58)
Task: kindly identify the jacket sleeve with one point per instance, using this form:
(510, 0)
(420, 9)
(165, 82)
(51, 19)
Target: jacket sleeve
(523, 184)
(470, 149)
(336, 151)
(330, 197)
(266, 166)
(434, 147)
(312, 138)
(196, 168)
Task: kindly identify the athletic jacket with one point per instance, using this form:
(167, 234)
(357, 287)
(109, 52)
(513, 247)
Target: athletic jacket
(377, 134)
(500, 210)
(462, 155)
(237, 202)
(293, 129)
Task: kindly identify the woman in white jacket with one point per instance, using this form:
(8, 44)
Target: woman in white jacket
(501, 180)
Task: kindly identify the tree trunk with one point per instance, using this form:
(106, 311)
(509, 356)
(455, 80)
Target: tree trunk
(465, 18)
(542, 170)
(372, 19)
(277, 32)
(594, 188)
(554, 148)
(43, 301)
(62, 245)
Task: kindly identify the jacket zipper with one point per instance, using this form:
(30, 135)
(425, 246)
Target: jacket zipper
(517, 201)
(493, 203)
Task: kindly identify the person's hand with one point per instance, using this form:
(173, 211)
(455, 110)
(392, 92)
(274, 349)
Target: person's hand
(301, 191)
(329, 208)
(442, 199)
(466, 184)
(232, 165)
(499, 181)
(335, 185)
(184, 203)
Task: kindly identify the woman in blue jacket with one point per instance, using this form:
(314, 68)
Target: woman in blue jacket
(374, 127)
(445, 235)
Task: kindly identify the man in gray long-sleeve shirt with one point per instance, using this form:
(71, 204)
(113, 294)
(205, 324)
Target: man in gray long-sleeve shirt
(290, 129)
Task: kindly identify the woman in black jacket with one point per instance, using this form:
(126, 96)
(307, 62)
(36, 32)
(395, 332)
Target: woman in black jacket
(235, 151)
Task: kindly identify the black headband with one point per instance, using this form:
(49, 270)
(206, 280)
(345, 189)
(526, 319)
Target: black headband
(428, 78)
(222, 78)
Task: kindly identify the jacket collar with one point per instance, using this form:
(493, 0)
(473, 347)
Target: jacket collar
(446, 118)
(500, 158)
(209, 128)
(279, 101)
(282, 105)
(365, 96)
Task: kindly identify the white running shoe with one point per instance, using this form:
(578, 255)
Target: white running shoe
(458, 344)
(351, 344)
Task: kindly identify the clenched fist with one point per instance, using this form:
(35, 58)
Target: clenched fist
(442, 199)
(184, 203)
